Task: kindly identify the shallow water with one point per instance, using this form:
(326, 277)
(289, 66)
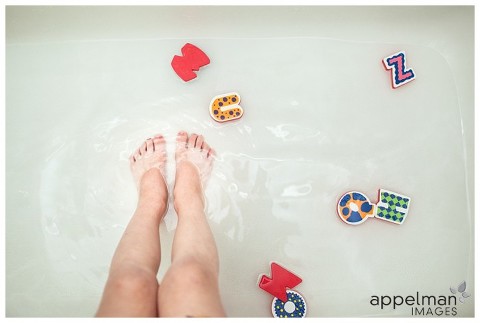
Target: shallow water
(320, 120)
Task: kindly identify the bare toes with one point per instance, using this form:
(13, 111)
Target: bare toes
(182, 138)
(199, 142)
(211, 153)
(191, 140)
(143, 148)
(149, 146)
(136, 155)
(158, 142)
(132, 159)
(205, 147)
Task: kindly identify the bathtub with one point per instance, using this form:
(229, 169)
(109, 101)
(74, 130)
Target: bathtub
(86, 85)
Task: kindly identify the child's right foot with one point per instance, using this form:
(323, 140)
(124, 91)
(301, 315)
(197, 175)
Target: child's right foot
(194, 159)
(147, 164)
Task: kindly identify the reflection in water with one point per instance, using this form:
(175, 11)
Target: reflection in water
(297, 190)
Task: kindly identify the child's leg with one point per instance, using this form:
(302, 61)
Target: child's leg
(131, 288)
(190, 286)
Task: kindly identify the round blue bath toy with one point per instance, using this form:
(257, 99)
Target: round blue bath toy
(354, 208)
(295, 306)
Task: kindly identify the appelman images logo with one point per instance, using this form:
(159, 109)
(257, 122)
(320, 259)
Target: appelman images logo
(425, 305)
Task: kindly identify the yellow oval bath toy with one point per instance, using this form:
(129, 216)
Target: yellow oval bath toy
(225, 107)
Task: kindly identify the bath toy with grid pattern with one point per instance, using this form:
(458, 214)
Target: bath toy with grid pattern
(193, 58)
(355, 208)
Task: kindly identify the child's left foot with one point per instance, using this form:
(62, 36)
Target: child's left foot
(194, 159)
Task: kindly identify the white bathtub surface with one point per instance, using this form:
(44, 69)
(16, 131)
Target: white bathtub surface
(320, 119)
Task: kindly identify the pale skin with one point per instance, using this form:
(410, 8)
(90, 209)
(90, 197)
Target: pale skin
(190, 286)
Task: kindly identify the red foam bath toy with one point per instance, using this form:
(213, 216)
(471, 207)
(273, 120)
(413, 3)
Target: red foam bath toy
(286, 303)
(280, 281)
(193, 58)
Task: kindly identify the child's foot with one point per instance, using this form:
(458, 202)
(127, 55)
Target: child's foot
(147, 164)
(194, 159)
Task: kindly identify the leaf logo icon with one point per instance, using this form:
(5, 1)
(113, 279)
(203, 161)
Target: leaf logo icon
(461, 289)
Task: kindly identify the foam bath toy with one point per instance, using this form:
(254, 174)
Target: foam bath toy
(225, 107)
(392, 206)
(355, 208)
(397, 63)
(286, 303)
(191, 60)
(295, 307)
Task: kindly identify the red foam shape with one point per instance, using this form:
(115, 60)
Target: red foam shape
(280, 281)
(193, 58)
